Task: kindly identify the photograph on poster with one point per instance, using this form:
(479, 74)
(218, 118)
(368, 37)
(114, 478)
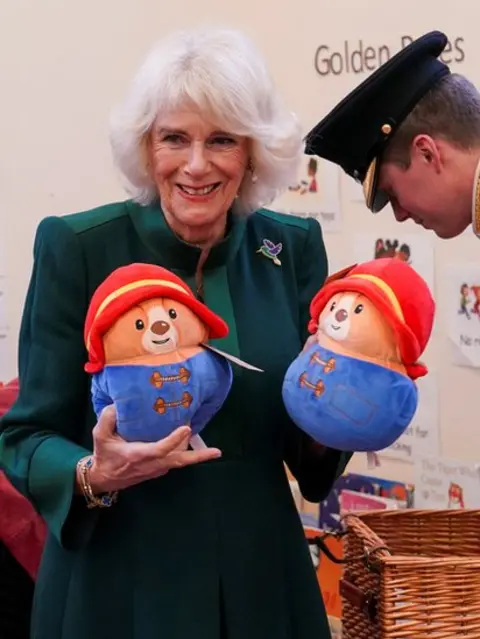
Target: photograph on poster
(415, 249)
(462, 295)
(422, 437)
(443, 483)
(316, 193)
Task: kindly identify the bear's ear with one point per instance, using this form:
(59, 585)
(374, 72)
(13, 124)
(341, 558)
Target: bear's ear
(339, 274)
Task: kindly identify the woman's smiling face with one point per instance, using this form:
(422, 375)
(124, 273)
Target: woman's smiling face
(198, 169)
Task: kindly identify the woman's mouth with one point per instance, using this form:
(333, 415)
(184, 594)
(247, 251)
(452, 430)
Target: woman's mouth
(198, 191)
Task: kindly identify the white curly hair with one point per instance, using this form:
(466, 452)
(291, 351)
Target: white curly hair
(221, 72)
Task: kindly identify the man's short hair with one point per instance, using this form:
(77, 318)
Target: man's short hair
(450, 110)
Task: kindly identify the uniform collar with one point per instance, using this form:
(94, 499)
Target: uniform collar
(151, 225)
(476, 202)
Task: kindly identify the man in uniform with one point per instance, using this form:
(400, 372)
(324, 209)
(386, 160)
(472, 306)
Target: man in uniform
(410, 133)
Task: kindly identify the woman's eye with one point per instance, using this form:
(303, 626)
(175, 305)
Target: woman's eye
(173, 139)
(333, 306)
(172, 313)
(139, 325)
(358, 308)
(222, 140)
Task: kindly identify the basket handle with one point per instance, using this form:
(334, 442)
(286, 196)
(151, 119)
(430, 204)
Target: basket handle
(365, 601)
(319, 542)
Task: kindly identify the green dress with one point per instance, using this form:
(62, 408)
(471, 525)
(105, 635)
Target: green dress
(210, 551)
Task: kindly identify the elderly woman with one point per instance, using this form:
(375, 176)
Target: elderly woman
(200, 543)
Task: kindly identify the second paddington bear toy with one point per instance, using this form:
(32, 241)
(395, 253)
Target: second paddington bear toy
(146, 336)
(354, 388)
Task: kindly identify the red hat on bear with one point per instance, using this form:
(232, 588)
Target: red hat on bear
(130, 285)
(399, 292)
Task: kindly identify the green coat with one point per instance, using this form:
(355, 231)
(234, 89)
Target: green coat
(215, 550)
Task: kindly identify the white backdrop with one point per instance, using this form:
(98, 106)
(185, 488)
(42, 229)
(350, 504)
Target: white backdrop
(63, 65)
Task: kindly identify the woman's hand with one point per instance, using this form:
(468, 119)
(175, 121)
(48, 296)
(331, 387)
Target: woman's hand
(118, 464)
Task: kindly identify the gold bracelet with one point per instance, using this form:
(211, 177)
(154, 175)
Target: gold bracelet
(103, 501)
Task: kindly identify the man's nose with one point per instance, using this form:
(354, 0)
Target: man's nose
(341, 315)
(401, 215)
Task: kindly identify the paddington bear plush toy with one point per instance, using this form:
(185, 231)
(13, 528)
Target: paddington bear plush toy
(146, 336)
(354, 388)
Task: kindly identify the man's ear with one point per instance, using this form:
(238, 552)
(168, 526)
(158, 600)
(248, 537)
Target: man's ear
(425, 150)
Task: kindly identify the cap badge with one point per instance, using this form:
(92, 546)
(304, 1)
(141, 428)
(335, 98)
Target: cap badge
(271, 250)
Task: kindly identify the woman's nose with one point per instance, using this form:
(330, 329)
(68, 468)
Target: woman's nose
(198, 162)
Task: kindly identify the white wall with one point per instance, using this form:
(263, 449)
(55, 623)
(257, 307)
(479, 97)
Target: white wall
(63, 65)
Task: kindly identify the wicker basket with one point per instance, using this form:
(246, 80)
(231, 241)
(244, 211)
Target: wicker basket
(411, 574)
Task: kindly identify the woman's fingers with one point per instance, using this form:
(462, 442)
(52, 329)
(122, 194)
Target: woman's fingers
(173, 451)
(190, 457)
(168, 444)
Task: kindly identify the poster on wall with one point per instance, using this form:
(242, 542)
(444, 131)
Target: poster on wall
(444, 483)
(422, 437)
(415, 249)
(462, 303)
(316, 193)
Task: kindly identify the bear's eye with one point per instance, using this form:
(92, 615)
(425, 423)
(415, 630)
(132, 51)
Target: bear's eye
(333, 306)
(358, 308)
(172, 313)
(139, 325)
